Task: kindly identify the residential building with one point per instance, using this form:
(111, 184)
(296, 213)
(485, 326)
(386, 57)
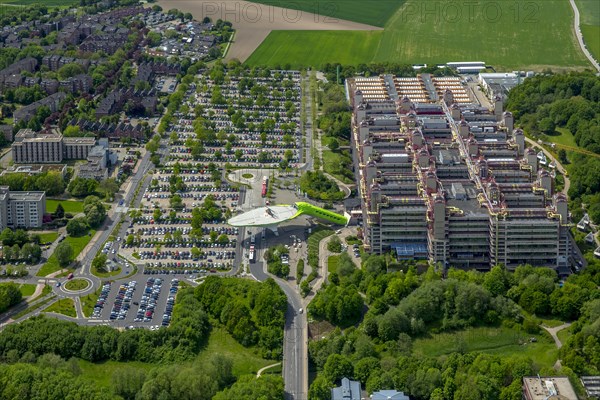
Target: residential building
(349, 390)
(52, 102)
(449, 181)
(21, 209)
(78, 148)
(548, 388)
(32, 147)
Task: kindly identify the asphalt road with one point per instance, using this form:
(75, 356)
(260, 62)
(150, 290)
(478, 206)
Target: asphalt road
(579, 36)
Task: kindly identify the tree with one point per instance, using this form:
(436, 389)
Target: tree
(335, 244)
(9, 295)
(99, 262)
(77, 226)
(31, 253)
(338, 367)
(7, 237)
(127, 382)
(334, 144)
(64, 253)
(59, 212)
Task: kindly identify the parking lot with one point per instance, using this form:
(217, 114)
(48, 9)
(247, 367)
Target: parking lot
(177, 229)
(132, 304)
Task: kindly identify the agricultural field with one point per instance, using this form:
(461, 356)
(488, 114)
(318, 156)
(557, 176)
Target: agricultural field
(48, 3)
(591, 35)
(377, 13)
(519, 34)
(302, 48)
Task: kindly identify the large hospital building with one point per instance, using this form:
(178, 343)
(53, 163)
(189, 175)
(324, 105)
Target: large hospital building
(447, 180)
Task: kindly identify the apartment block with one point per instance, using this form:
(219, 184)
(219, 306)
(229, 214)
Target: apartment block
(21, 209)
(31, 147)
(446, 180)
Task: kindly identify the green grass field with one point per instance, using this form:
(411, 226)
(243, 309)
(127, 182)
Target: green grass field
(499, 341)
(78, 243)
(563, 136)
(70, 206)
(376, 13)
(591, 35)
(102, 372)
(245, 360)
(507, 35)
(49, 237)
(332, 263)
(63, 306)
(89, 301)
(304, 48)
(27, 289)
(589, 11)
(77, 284)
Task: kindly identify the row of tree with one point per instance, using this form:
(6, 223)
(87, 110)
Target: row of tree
(51, 182)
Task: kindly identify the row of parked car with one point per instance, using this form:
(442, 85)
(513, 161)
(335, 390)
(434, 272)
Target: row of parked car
(149, 299)
(123, 301)
(101, 300)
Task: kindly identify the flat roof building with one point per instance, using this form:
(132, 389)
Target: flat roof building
(548, 388)
(451, 182)
(32, 147)
(21, 209)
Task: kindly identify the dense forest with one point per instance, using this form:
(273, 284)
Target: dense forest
(41, 354)
(376, 347)
(542, 104)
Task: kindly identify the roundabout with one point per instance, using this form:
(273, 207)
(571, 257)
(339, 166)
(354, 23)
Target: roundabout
(77, 285)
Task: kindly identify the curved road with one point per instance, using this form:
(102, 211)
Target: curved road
(579, 36)
(559, 166)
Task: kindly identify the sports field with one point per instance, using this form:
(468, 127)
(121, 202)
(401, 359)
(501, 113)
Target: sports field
(507, 35)
(376, 13)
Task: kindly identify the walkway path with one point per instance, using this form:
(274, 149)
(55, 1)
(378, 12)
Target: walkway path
(37, 292)
(554, 331)
(260, 371)
(579, 36)
(78, 308)
(559, 166)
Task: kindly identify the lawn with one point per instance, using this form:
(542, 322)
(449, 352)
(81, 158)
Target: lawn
(333, 162)
(70, 206)
(332, 263)
(89, 301)
(314, 48)
(77, 284)
(508, 35)
(27, 289)
(376, 13)
(78, 244)
(562, 136)
(63, 306)
(499, 341)
(49, 237)
(245, 360)
(101, 373)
